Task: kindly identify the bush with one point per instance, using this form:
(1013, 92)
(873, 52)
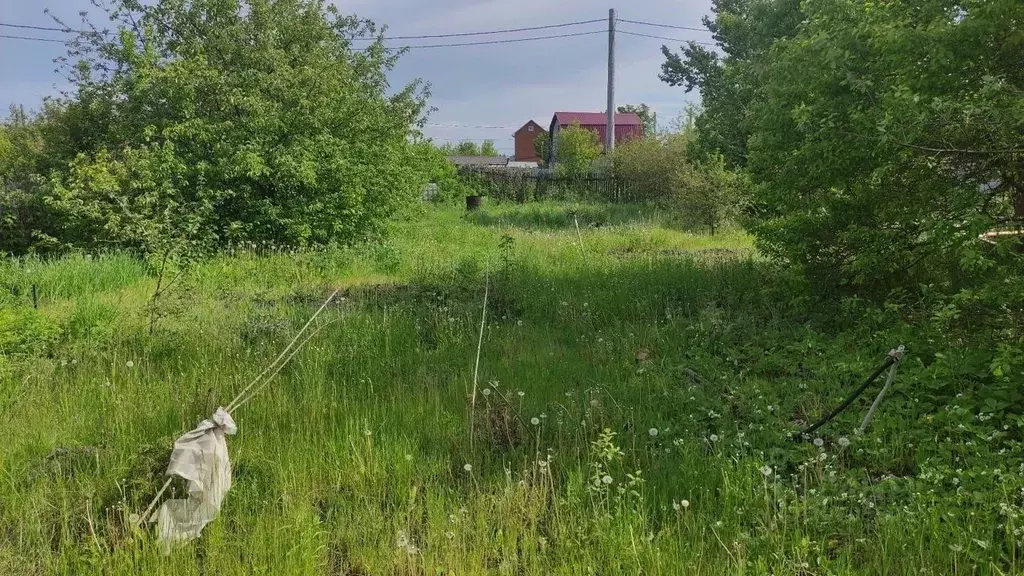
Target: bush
(661, 169)
(219, 123)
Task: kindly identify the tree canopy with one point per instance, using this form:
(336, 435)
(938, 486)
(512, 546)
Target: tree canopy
(225, 121)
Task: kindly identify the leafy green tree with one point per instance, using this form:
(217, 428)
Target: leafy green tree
(745, 30)
(467, 148)
(219, 121)
(648, 117)
(576, 148)
(878, 162)
(488, 149)
(541, 145)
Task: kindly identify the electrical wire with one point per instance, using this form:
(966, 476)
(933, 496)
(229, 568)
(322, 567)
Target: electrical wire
(663, 25)
(664, 38)
(13, 37)
(505, 31)
(487, 42)
(28, 27)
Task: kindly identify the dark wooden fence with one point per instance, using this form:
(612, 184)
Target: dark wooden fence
(526, 185)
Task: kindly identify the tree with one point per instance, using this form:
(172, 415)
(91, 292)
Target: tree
(885, 137)
(225, 121)
(576, 148)
(541, 146)
(467, 148)
(648, 118)
(745, 30)
(488, 149)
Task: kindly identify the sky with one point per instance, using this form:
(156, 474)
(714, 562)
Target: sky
(480, 92)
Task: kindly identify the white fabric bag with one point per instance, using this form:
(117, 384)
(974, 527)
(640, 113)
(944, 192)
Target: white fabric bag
(201, 458)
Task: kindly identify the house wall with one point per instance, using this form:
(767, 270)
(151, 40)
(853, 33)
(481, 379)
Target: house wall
(525, 151)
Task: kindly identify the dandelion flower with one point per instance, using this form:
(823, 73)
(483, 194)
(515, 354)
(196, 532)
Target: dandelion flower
(685, 504)
(766, 470)
(486, 392)
(713, 437)
(468, 467)
(130, 364)
(535, 421)
(653, 432)
(402, 540)
(519, 322)
(819, 442)
(844, 441)
(606, 479)
(521, 393)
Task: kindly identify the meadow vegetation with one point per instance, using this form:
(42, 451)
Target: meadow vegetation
(634, 412)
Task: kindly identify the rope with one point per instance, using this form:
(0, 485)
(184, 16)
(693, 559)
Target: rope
(251, 390)
(288, 348)
(889, 361)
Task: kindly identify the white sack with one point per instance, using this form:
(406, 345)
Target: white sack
(201, 458)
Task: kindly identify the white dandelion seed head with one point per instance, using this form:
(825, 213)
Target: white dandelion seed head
(685, 504)
(535, 421)
(676, 506)
(521, 393)
(606, 479)
(819, 442)
(130, 364)
(468, 467)
(766, 470)
(519, 322)
(653, 432)
(486, 392)
(844, 441)
(713, 437)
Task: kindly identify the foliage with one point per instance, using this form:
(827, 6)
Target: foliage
(662, 169)
(470, 148)
(252, 120)
(542, 145)
(648, 117)
(869, 152)
(692, 435)
(576, 148)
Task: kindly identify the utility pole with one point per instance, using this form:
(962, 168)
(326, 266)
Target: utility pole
(609, 139)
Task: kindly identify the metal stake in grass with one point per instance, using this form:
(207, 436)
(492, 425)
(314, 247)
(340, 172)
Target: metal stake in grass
(479, 347)
(897, 354)
(580, 238)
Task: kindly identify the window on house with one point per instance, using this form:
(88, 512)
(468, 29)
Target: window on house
(529, 128)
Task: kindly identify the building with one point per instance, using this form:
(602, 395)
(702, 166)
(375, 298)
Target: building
(526, 137)
(628, 126)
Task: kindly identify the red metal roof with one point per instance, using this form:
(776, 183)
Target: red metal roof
(596, 119)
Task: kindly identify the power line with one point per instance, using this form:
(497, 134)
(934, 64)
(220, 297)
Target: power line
(28, 27)
(474, 126)
(485, 42)
(664, 25)
(505, 31)
(665, 38)
(12, 37)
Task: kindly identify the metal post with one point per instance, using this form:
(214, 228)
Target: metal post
(609, 139)
(897, 354)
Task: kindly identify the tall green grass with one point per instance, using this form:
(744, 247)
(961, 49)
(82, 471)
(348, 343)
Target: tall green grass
(635, 392)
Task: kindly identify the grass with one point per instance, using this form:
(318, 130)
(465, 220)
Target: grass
(635, 420)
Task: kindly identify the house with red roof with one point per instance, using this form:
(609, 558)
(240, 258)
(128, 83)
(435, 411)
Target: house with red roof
(628, 126)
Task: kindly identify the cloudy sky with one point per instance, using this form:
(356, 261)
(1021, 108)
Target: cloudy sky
(500, 85)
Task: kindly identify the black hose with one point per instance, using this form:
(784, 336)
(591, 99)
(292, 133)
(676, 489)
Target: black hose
(849, 399)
